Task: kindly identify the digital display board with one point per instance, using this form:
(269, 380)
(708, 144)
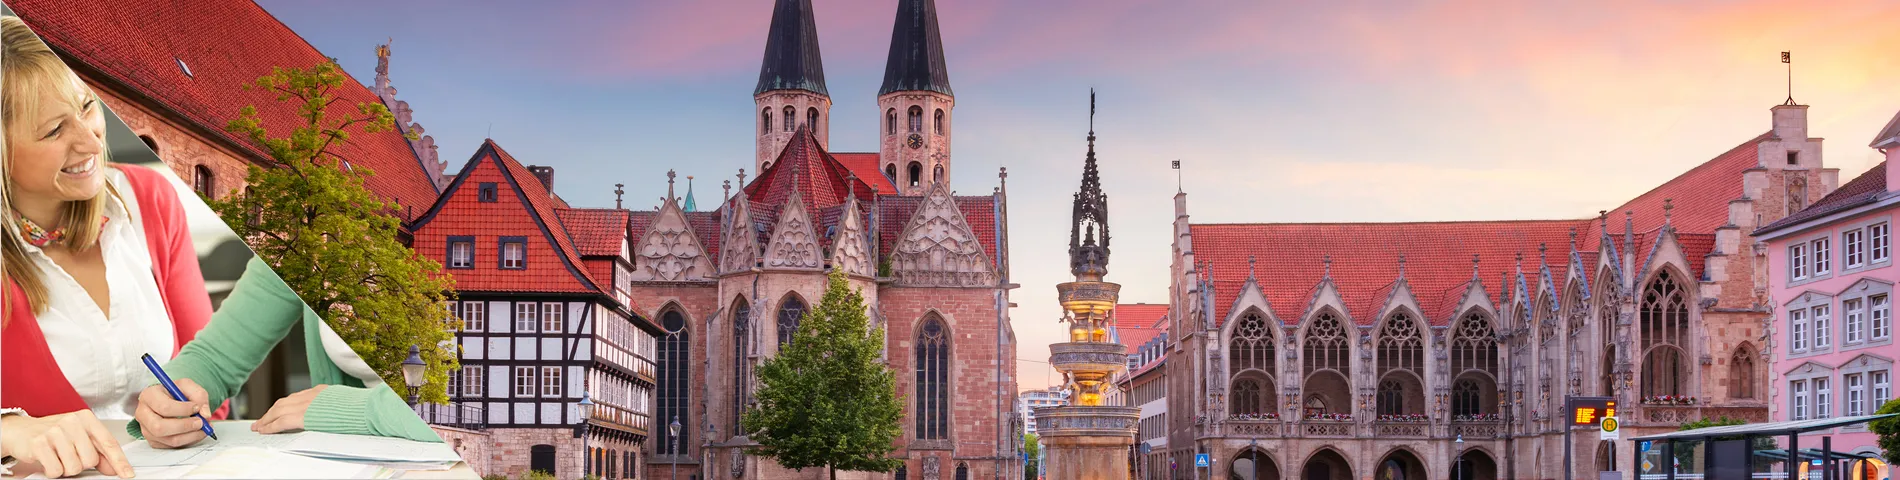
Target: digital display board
(1590, 410)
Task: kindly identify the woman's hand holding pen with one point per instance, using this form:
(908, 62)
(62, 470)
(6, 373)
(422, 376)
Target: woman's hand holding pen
(168, 423)
(63, 445)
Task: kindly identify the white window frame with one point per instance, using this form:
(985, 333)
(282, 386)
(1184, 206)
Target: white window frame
(1855, 311)
(1856, 394)
(1877, 246)
(527, 320)
(524, 382)
(474, 316)
(1799, 399)
(553, 317)
(1854, 247)
(1882, 383)
(474, 381)
(1880, 317)
(1823, 398)
(1823, 327)
(1819, 249)
(513, 254)
(1798, 329)
(1798, 261)
(551, 382)
(461, 254)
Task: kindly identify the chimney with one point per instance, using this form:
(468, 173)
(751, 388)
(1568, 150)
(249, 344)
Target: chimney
(545, 175)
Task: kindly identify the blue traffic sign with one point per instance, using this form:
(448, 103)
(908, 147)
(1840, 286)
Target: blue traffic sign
(1200, 460)
(1642, 446)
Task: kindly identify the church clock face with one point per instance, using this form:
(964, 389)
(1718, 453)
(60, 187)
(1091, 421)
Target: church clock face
(915, 141)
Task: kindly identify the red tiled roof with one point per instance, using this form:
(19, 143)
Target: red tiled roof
(1700, 197)
(865, 166)
(1365, 260)
(895, 212)
(595, 231)
(1862, 190)
(226, 44)
(1137, 323)
(804, 166)
(524, 208)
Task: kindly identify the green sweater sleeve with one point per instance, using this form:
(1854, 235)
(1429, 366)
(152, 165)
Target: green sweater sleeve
(258, 314)
(366, 411)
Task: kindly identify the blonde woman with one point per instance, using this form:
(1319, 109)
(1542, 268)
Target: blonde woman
(100, 270)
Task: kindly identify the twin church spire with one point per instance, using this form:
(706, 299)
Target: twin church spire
(915, 99)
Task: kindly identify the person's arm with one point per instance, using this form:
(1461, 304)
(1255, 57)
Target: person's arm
(376, 410)
(257, 315)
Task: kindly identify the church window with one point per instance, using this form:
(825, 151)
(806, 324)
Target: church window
(1474, 360)
(916, 170)
(1391, 398)
(890, 172)
(940, 121)
(765, 120)
(916, 119)
(1464, 398)
(1741, 373)
(890, 122)
(673, 376)
(1251, 355)
(789, 313)
(1665, 328)
(791, 118)
(811, 118)
(933, 380)
(1326, 345)
(741, 376)
(963, 471)
(1247, 397)
(1401, 351)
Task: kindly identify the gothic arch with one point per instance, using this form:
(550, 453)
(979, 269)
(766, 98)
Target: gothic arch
(765, 120)
(791, 118)
(1665, 335)
(673, 367)
(916, 117)
(932, 358)
(939, 121)
(890, 122)
(742, 345)
(1327, 463)
(811, 118)
(1474, 361)
(1326, 359)
(1399, 364)
(1742, 375)
(916, 171)
(1401, 463)
(791, 309)
(1261, 463)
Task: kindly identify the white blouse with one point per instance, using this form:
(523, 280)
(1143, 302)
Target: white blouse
(99, 354)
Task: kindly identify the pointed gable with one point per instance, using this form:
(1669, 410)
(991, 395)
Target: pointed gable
(804, 166)
(669, 249)
(850, 249)
(938, 248)
(739, 243)
(794, 242)
(521, 210)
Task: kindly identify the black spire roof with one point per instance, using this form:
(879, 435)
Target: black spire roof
(1088, 257)
(916, 60)
(791, 51)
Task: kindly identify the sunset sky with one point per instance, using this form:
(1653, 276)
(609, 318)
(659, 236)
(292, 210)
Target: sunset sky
(1279, 112)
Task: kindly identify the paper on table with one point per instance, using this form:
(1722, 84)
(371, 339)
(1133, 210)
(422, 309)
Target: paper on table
(253, 462)
(369, 448)
(232, 434)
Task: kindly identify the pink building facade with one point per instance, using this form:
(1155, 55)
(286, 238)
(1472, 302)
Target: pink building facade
(1831, 276)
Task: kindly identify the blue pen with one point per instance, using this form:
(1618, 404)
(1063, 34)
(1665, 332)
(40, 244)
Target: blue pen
(172, 388)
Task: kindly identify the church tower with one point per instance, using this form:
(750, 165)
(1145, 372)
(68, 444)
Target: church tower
(915, 102)
(791, 89)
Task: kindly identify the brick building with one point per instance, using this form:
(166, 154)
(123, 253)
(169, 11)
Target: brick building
(1144, 329)
(933, 267)
(1832, 276)
(1351, 350)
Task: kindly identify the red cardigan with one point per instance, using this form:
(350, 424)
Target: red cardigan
(29, 377)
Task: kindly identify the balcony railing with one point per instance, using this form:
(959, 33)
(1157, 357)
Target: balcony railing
(1677, 415)
(1260, 428)
(1476, 429)
(1326, 428)
(454, 414)
(1401, 428)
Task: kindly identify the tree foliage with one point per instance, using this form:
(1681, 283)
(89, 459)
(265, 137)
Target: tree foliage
(827, 399)
(1889, 431)
(332, 240)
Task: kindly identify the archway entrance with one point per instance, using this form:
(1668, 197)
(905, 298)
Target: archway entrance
(541, 457)
(1475, 465)
(1399, 465)
(1252, 464)
(1326, 465)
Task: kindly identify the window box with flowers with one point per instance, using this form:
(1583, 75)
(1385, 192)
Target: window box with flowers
(1255, 417)
(1478, 417)
(1404, 418)
(1669, 400)
(1330, 417)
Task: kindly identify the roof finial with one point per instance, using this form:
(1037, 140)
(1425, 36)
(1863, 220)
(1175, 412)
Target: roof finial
(1328, 262)
(1002, 178)
(1250, 262)
(726, 193)
(1573, 239)
(1603, 216)
(1542, 260)
(1788, 58)
(690, 206)
(742, 180)
(1091, 114)
(619, 189)
(669, 185)
(1401, 264)
(1474, 266)
(1177, 177)
(1668, 206)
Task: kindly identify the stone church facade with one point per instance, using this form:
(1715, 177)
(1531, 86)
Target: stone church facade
(727, 286)
(1358, 350)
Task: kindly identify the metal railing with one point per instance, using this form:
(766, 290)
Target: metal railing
(454, 414)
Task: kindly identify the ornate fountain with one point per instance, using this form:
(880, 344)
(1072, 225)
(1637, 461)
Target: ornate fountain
(1088, 439)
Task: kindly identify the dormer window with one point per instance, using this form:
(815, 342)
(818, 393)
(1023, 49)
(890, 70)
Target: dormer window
(485, 193)
(461, 252)
(514, 253)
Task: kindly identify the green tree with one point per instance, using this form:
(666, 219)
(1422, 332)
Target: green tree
(1032, 447)
(827, 399)
(1889, 431)
(333, 241)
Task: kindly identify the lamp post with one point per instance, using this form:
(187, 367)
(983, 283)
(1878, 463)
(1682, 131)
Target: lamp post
(587, 415)
(1253, 453)
(1457, 458)
(673, 430)
(412, 370)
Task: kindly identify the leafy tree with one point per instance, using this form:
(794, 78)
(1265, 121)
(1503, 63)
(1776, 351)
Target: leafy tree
(333, 241)
(827, 399)
(1033, 448)
(1889, 431)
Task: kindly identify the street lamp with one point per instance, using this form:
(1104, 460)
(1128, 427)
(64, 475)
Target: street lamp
(1458, 458)
(412, 369)
(1253, 453)
(587, 412)
(673, 429)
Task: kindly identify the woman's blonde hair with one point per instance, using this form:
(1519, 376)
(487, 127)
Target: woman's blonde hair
(27, 68)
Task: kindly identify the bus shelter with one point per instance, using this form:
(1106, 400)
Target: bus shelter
(1735, 452)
